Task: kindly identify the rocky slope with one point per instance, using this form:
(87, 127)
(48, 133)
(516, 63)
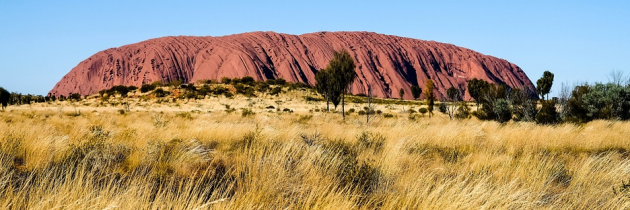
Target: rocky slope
(385, 62)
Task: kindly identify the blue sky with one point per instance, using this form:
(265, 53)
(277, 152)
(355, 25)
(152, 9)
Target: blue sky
(579, 41)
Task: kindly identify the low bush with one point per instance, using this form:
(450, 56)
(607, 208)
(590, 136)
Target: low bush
(247, 112)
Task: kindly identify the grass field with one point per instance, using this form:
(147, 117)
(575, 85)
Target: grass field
(197, 155)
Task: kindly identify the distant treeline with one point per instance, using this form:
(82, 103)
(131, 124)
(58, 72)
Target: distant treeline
(13, 98)
(580, 104)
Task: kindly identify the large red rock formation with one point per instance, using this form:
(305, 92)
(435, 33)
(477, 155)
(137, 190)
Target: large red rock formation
(385, 62)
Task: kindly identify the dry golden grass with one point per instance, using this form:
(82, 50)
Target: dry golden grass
(58, 156)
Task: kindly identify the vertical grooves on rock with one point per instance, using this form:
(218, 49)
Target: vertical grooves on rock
(386, 62)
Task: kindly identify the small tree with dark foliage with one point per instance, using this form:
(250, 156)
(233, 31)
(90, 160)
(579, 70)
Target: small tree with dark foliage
(429, 96)
(543, 85)
(415, 92)
(547, 114)
(476, 88)
(4, 97)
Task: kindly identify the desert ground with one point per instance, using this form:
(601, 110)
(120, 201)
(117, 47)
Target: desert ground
(240, 153)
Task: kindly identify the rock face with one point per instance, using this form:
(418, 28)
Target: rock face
(384, 62)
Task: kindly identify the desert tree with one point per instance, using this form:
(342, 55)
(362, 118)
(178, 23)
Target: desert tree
(502, 109)
(324, 86)
(543, 85)
(452, 93)
(430, 97)
(563, 100)
(547, 114)
(577, 109)
(607, 101)
(495, 104)
(476, 87)
(415, 92)
(463, 111)
(523, 105)
(453, 96)
(342, 70)
(4, 97)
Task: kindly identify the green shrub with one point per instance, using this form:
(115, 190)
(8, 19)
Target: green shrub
(502, 110)
(547, 114)
(463, 111)
(159, 92)
(236, 81)
(275, 91)
(191, 95)
(262, 87)
(249, 92)
(147, 87)
(220, 90)
(248, 80)
(247, 112)
(240, 88)
(226, 80)
(74, 96)
(423, 111)
(205, 90)
(442, 108)
(281, 82)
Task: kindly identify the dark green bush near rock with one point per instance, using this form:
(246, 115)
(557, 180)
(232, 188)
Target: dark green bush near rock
(547, 114)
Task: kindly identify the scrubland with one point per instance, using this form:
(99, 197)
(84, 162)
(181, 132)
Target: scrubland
(204, 154)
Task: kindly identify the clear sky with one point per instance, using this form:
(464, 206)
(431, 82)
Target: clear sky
(579, 41)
